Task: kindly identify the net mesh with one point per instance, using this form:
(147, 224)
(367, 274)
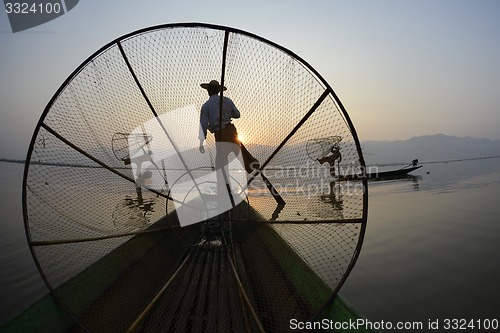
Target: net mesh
(109, 244)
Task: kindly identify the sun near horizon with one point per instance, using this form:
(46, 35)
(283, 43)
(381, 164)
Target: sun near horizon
(241, 137)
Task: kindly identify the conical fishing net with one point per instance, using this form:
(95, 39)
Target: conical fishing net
(121, 206)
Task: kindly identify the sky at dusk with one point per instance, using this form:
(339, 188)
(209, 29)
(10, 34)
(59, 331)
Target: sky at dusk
(401, 68)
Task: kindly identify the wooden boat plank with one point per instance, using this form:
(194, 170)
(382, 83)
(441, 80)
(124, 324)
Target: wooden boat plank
(235, 303)
(224, 318)
(200, 313)
(174, 297)
(189, 290)
(248, 319)
(214, 295)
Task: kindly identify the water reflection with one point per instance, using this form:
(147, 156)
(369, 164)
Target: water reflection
(134, 211)
(414, 181)
(334, 197)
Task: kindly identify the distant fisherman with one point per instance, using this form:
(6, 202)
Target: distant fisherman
(330, 159)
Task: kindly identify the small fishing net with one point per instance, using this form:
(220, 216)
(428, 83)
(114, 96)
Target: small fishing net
(114, 171)
(318, 148)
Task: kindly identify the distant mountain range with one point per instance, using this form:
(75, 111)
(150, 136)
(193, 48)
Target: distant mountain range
(428, 148)
(425, 148)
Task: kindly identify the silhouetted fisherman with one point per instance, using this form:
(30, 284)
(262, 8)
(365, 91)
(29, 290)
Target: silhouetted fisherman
(226, 141)
(330, 159)
(209, 120)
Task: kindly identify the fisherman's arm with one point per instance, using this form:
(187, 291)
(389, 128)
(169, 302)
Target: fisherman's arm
(235, 113)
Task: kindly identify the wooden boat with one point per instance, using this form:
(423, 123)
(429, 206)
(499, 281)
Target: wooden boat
(384, 175)
(392, 174)
(208, 285)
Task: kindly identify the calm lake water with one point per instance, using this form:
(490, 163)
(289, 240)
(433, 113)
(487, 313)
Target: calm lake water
(432, 246)
(20, 282)
(431, 249)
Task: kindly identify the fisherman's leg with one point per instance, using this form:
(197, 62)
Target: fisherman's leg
(222, 175)
(250, 162)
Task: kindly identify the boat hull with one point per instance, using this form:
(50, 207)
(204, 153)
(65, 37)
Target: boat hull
(393, 173)
(383, 175)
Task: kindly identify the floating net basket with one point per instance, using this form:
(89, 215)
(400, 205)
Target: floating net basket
(114, 164)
